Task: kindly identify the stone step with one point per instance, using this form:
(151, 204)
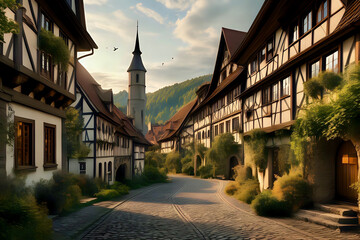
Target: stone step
(328, 220)
(332, 217)
(336, 209)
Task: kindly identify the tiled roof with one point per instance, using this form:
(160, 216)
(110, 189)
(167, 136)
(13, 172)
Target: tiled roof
(233, 39)
(99, 98)
(172, 126)
(351, 15)
(231, 78)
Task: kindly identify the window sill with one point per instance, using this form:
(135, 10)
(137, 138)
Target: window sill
(26, 168)
(50, 166)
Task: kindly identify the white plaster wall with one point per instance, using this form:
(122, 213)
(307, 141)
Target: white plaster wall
(74, 166)
(40, 118)
(105, 160)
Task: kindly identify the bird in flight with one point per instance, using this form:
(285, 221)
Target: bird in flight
(115, 48)
(162, 64)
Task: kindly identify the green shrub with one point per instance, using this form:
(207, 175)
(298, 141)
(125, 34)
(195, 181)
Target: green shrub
(173, 163)
(242, 173)
(107, 194)
(313, 88)
(329, 80)
(153, 175)
(88, 186)
(248, 190)
(257, 142)
(293, 189)
(120, 188)
(20, 216)
(60, 194)
(187, 165)
(231, 188)
(206, 171)
(267, 205)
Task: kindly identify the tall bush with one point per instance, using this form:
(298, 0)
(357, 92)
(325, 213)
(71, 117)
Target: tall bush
(20, 216)
(257, 142)
(222, 148)
(173, 162)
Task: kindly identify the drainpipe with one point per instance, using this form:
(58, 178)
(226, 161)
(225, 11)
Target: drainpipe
(87, 55)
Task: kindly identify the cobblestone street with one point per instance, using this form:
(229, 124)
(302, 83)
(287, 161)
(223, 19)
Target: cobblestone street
(189, 208)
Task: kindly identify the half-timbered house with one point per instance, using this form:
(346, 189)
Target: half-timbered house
(117, 148)
(34, 90)
(219, 108)
(289, 43)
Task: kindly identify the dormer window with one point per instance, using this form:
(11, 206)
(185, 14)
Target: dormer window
(322, 11)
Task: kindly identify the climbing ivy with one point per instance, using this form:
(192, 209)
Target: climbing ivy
(257, 142)
(7, 25)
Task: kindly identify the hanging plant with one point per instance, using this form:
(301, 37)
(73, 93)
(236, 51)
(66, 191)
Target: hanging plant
(56, 47)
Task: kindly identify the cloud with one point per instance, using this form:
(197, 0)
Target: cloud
(177, 4)
(112, 80)
(115, 23)
(150, 13)
(96, 2)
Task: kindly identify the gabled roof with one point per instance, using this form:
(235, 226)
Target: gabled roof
(231, 40)
(222, 87)
(138, 137)
(171, 127)
(95, 93)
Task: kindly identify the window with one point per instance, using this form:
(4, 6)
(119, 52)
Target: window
(307, 23)
(49, 144)
(285, 87)
(203, 134)
(105, 171)
(110, 171)
(82, 167)
(266, 97)
(322, 12)
(275, 92)
(199, 136)
(236, 124)
(46, 23)
(221, 128)
(216, 130)
(262, 54)
(314, 69)
(45, 64)
(228, 126)
(137, 78)
(253, 66)
(270, 49)
(332, 62)
(208, 133)
(24, 142)
(100, 170)
(294, 34)
(230, 98)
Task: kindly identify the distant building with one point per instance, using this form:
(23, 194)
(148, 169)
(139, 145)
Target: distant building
(117, 148)
(137, 97)
(34, 91)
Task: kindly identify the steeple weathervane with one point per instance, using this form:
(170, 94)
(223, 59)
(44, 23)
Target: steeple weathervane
(137, 45)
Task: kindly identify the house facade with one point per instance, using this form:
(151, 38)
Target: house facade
(35, 89)
(117, 148)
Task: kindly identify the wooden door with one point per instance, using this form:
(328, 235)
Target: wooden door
(346, 172)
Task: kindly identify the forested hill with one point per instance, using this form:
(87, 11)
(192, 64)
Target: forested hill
(165, 102)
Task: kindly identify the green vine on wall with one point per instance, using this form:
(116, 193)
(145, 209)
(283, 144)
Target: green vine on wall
(257, 141)
(8, 129)
(56, 47)
(7, 25)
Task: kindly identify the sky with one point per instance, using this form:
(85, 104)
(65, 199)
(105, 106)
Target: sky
(178, 38)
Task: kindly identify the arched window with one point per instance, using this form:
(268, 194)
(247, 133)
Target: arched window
(105, 171)
(100, 170)
(110, 171)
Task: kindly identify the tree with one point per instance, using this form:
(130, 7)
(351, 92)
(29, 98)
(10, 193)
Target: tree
(173, 162)
(7, 25)
(338, 116)
(74, 127)
(222, 149)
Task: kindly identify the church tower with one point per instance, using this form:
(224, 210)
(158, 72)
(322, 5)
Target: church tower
(137, 98)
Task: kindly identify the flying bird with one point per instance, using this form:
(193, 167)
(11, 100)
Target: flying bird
(162, 64)
(172, 58)
(115, 49)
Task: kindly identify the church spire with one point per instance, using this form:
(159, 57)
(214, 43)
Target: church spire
(137, 44)
(136, 63)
